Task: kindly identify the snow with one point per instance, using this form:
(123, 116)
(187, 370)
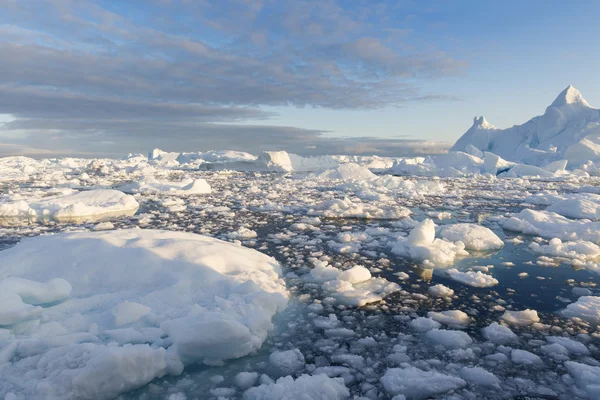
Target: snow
(87, 205)
(521, 318)
(472, 278)
(305, 387)
(209, 299)
(417, 384)
(586, 308)
(475, 237)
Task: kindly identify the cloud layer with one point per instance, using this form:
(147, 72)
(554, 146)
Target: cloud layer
(82, 77)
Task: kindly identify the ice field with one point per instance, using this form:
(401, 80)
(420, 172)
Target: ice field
(225, 275)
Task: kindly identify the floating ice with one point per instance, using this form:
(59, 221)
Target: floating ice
(475, 237)
(88, 205)
(521, 318)
(586, 308)
(417, 384)
(422, 245)
(472, 278)
(212, 300)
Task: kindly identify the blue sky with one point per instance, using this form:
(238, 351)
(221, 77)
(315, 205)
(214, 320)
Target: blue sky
(386, 77)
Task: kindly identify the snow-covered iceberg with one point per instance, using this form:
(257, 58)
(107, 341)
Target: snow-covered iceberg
(568, 130)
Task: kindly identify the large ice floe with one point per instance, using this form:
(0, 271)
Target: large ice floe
(91, 315)
(73, 206)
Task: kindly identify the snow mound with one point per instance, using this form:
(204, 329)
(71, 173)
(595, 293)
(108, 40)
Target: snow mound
(475, 237)
(82, 206)
(127, 306)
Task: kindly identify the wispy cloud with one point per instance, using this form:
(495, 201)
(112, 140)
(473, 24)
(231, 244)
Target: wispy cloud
(143, 67)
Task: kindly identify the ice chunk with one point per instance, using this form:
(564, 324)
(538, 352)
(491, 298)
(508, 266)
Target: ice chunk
(450, 317)
(417, 384)
(499, 334)
(440, 291)
(580, 250)
(347, 208)
(480, 377)
(586, 377)
(574, 347)
(551, 225)
(519, 356)
(213, 300)
(348, 172)
(421, 245)
(472, 278)
(586, 308)
(578, 208)
(422, 324)
(128, 312)
(449, 339)
(19, 297)
(90, 205)
(287, 362)
(305, 387)
(521, 318)
(475, 237)
(150, 184)
(245, 380)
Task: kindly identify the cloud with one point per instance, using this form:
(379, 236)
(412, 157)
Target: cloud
(103, 78)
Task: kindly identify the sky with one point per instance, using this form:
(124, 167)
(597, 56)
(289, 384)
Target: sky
(395, 78)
